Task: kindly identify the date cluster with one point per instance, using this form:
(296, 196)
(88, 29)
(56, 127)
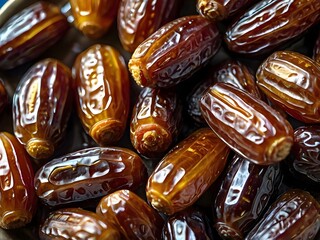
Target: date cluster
(214, 149)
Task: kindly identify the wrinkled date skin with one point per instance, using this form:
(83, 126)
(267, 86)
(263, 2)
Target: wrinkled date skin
(42, 104)
(292, 81)
(156, 121)
(243, 196)
(138, 19)
(134, 217)
(26, 35)
(316, 50)
(18, 200)
(4, 98)
(174, 52)
(294, 215)
(187, 171)
(87, 174)
(189, 224)
(269, 24)
(76, 223)
(94, 17)
(102, 93)
(248, 125)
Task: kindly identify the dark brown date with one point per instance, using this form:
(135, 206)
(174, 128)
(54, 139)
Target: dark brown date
(294, 215)
(155, 122)
(134, 217)
(27, 34)
(4, 98)
(87, 174)
(244, 196)
(41, 107)
(270, 24)
(18, 200)
(174, 52)
(292, 81)
(246, 124)
(186, 172)
(76, 223)
(316, 50)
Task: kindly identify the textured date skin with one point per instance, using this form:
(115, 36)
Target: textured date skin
(18, 200)
(76, 223)
(26, 35)
(138, 19)
(246, 124)
(134, 217)
(294, 215)
(94, 17)
(186, 171)
(243, 196)
(41, 107)
(155, 122)
(87, 174)
(4, 99)
(102, 93)
(316, 50)
(292, 81)
(269, 24)
(174, 52)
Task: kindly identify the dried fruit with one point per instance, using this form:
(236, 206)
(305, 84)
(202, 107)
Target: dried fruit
(4, 98)
(316, 50)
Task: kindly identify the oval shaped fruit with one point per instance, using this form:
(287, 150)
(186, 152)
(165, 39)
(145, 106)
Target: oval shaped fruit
(186, 172)
(28, 33)
(134, 217)
(174, 52)
(102, 93)
(246, 124)
(87, 174)
(292, 81)
(41, 107)
(4, 98)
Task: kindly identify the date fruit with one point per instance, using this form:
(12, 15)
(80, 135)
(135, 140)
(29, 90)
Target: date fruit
(292, 81)
(316, 50)
(187, 171)
(246, 124)
(42, 104)
(88, 174)
(102, 93)
(174, 52)
(4, 98)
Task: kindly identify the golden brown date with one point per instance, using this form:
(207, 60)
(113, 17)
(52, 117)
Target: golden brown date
(155, 122)
(18, 200)
(174, 52)
(294, 215)
(76, 223)
(189, 168)
(4, 98)
(30, 32)
(87, 174)
(42, 106)
(94, 17)
(246, 124)
(316, 50)
(134, 217)
(102, 93)
(138, 19)
(292, 81)
(270, 24)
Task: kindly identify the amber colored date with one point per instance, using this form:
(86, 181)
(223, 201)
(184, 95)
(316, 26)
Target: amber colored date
(4, 99)
(134, 217)
(155, 122)
(138, 19)
(27, 34)
(244, 196)
(174, 52)
(270, 24)
(102, 93)
(316, 50)
(187, 171)
(248, 125)
(292, 81)
(76, 223)
(18, 200)
(94, 17)
(87, 174)
(41, 107)
(294, 215)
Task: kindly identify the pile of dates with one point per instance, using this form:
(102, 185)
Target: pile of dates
(160, 119)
